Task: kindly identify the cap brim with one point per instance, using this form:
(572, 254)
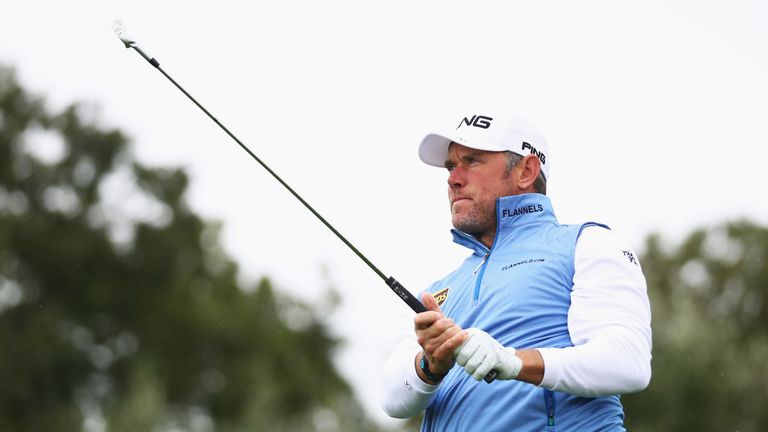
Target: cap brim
(433, 149)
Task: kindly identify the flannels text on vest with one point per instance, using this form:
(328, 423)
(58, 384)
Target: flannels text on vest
(522, 210)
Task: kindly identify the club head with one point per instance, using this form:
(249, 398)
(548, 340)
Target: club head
(120, 31)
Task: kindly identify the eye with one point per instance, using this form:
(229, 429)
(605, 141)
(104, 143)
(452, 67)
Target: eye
(450, 166)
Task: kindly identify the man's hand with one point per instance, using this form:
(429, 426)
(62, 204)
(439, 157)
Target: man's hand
(438, 335)
(481, 353)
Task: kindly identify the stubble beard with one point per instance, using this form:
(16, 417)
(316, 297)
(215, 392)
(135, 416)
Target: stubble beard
(478, 222)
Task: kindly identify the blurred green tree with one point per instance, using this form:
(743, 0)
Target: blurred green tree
(120, 311)
(709, 297)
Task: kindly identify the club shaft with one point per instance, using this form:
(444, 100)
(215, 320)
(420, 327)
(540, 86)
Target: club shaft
(277, 177)
(393, 284)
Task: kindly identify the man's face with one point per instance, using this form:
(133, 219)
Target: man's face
(476, 178)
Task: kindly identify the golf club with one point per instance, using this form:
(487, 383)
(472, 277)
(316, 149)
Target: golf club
(393, 284)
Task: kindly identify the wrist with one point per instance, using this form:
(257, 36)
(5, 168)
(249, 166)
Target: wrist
(532, 368)
(424, 367)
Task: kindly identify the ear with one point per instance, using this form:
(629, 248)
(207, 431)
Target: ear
(530, 167)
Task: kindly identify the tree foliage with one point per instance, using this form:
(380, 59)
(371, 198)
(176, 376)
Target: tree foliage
(120, 311)
(119, 308)
(709, 297)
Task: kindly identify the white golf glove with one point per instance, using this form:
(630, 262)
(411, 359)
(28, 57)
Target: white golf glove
(481, 353)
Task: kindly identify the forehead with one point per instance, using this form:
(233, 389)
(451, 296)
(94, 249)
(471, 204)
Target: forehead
(457, 151)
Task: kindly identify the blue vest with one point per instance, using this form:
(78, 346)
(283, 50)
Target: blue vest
(518, 292)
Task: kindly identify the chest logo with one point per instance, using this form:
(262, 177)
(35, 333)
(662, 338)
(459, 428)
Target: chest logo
(441, 296)
(525, 261)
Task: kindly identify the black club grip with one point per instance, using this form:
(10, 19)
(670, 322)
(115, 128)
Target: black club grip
(405, 295)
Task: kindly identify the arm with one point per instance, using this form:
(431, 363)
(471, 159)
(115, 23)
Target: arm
(404, 394)
(406, 390)
(609, 322)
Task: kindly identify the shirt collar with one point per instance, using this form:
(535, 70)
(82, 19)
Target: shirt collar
(516, 210)
(511, 212)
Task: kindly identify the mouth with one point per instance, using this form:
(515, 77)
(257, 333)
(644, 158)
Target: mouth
(458, 203)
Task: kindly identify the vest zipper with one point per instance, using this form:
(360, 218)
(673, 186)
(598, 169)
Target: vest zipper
(484, 263)
(481, 264)
(549, 403)
(481, 268)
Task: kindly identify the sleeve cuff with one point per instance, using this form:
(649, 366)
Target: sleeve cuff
(553, 366)
(415, 383)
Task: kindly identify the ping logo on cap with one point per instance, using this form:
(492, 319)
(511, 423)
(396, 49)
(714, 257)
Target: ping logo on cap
(542, 157)
(483, 122)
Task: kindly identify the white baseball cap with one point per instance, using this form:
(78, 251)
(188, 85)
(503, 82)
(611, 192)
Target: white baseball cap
(490, 133)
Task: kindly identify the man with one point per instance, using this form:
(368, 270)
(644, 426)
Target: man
(559, 313)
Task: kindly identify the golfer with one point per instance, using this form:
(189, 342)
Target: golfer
(559, 313)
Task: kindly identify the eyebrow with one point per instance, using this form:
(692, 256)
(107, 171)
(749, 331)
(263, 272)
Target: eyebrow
(476, 154)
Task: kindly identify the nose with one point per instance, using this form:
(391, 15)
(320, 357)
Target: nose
(456, 178)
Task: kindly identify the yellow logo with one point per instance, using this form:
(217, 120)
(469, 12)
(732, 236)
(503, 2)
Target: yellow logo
(441, 296)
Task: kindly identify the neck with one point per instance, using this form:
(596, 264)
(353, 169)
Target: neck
(487, 238)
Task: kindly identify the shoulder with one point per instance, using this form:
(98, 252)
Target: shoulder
(593, 236)
(597, 242)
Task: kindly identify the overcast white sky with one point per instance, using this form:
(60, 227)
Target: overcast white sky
(655, 113)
